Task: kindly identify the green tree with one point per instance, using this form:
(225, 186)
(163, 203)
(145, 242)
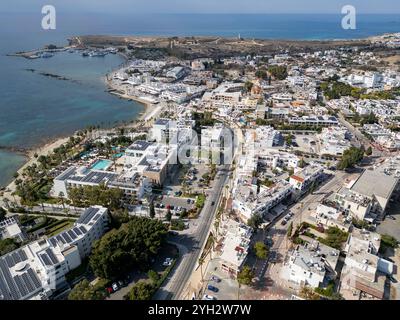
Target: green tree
(153, 276)
(85, 291)
(351, 157)
(308, 294)
(261, 250)
(132, 245)
(142, 291)
(7, 245)
(278, 72)
(255, 221)
(368, 152)
(245, 276)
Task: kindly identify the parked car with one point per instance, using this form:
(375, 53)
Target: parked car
(115, 286)
(212, 288)
(216, 279)
(283, 222)
(121, 283)
(167, 262)
(213, 203)
(208, 297)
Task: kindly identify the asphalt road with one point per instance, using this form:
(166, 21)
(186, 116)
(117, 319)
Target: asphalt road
(175, 285)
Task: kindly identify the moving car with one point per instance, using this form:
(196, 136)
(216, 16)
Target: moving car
(208, 297)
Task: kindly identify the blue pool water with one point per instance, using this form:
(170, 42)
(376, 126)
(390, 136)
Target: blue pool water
(102, 165)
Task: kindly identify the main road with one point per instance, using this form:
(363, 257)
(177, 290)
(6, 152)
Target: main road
(190, 249)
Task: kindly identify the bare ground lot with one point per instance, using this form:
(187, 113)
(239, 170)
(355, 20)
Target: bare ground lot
(195, 47)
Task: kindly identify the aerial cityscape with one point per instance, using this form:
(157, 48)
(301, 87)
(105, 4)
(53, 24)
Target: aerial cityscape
(210, 166)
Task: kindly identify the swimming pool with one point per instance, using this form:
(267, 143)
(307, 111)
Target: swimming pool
(102, 165)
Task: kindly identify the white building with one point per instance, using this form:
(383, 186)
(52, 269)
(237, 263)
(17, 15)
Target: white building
(37, 270)
(247, 202)
(303, 178)
(334, 141)
(10, 228)
(311, 265)
(235, 246)
(364, 270)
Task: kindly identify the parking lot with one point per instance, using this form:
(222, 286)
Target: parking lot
(391, 224)
(227, 288)
(178, 202)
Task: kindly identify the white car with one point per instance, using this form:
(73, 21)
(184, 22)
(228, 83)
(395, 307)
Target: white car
(167, 262)
(115, 286)
(208, 297)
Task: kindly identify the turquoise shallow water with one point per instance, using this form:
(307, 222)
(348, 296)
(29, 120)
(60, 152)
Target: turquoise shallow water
(34, 108)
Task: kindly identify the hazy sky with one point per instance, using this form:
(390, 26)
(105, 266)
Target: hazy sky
(203, 6)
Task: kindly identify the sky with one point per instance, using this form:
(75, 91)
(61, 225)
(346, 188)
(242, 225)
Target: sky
(202, 6)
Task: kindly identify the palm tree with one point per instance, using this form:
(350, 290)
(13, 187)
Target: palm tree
(201, 262)
(212, 241)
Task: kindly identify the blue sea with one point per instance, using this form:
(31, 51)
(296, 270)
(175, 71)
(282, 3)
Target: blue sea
(34, 108)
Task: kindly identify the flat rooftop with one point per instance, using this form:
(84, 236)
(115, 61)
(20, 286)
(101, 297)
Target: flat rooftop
(373, 183)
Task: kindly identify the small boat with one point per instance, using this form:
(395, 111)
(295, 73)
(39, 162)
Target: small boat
(85, 54)
(46, 55)
(33, 56)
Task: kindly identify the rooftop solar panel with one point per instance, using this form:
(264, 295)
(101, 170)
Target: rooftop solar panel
(87, 215)
(16, 257)
(10, 261)
(21, 286)
(60, 239)
(52, 256)
(66, 237)
(77, 231)
(23, 255)
(83, 229)
(34, 278)
(9, 281)
(4, 294)
(28, 283)
(53, 242)
(46, 259)
(72, 234)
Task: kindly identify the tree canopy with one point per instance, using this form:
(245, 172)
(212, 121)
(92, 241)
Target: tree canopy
(255, 221)
(130, 246)
(261, 250)
(142, 291)
(96, 195)
(278, 72)
(85, 291)
(351, 157)
(246, 276)
(7, 245)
